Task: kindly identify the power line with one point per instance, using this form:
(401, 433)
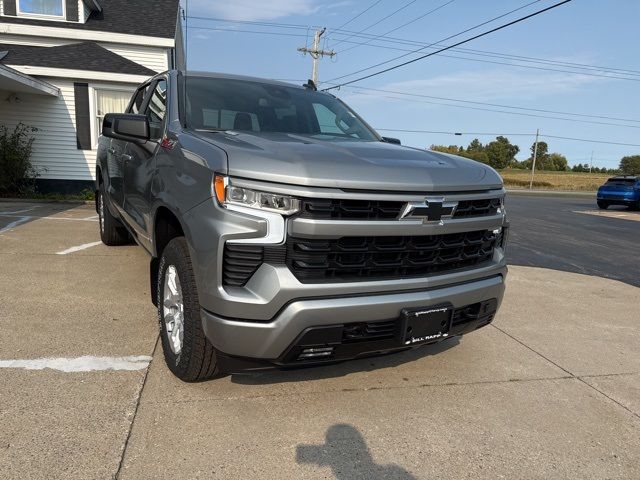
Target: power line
(359, 14)
(615, 74)
(499, 105)
(520, 113)
(398, 27)
(382, 19)
(281, 34)
(533, 115)
(453, 36)
(252, 22)
(401, 41)
(300, 35)
(508, 135)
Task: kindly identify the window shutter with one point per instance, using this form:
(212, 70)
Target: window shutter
(72, 10)
(10, 7)
(83, 118)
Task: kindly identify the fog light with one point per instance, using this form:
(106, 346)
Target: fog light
(316, 352)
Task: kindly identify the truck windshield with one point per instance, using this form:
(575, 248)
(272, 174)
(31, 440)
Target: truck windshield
(241, 105)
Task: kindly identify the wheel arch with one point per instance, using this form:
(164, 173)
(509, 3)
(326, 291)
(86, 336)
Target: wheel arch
(166, 226)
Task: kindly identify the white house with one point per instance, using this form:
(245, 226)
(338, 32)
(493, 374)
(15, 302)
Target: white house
(65, 63)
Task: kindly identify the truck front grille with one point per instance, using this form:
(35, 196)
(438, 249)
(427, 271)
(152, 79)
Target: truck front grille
(375, 258)
(343, 209)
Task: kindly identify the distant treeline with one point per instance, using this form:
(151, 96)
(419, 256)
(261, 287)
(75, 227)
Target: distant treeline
(501, 153)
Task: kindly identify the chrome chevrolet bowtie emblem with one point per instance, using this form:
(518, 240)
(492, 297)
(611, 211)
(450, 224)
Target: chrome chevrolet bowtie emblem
(432, 210)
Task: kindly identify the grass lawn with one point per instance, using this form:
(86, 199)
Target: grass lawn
(554, 180)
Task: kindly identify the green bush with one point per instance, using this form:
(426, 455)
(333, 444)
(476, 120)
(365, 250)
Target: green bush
(17, 173)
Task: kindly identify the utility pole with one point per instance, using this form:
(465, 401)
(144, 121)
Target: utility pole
(316, 53)
(591, 163)
(535, 155)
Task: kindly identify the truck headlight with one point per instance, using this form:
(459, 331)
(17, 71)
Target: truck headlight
(227, 194)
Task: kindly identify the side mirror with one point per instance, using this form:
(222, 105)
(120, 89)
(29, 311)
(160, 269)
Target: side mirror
(131, 127)
(395, 141)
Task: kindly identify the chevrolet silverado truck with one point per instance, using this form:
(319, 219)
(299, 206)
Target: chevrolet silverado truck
(284, 231)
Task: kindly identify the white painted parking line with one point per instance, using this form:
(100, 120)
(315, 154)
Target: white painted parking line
(90, 219)
(78, 248)
(14, 212)
(15, 224)
(80, 364)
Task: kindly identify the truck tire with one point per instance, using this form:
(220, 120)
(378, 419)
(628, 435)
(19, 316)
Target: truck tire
(112, 232)
(602, 205)
(187, 351)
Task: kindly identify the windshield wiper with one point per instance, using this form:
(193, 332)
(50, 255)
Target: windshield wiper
(211, 130)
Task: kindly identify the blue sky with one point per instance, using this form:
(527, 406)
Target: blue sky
(592, 32)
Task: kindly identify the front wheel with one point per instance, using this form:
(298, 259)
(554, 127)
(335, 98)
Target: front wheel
(602, 205)
(187, 351)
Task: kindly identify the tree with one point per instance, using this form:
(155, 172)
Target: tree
(630, 165)
(557, 162)
(500, 153)
(541, 154)
(475, 146)
(452, 149)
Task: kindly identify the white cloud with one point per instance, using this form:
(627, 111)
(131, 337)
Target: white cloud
(252, 9)
(495, 84)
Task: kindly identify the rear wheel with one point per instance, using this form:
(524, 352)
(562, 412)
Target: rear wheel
(187, 351)
(111, 230)
(602, 205)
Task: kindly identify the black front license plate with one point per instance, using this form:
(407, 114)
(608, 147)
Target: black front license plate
(426, 325)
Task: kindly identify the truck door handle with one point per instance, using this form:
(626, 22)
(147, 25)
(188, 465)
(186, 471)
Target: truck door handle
(126, 157)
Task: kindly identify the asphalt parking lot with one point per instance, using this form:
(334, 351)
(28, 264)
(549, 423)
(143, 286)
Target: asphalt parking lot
(550, 390)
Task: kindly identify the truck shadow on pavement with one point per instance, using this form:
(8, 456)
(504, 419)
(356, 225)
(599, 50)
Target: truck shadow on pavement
(320, 372)
(346, 452)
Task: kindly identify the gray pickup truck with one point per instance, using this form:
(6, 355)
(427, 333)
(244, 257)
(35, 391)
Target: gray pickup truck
(284, 231)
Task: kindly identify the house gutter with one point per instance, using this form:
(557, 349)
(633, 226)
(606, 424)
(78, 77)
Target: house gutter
(28, 81)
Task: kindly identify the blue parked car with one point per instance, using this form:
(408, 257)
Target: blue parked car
(624, 190)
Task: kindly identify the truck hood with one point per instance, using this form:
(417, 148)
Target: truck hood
(348, 164)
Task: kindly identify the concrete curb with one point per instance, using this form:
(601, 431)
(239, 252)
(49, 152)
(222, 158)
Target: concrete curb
(552, 193)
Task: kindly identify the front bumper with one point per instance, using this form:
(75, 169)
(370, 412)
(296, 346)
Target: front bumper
(273, 342)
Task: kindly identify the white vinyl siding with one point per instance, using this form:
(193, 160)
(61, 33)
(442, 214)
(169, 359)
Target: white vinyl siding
(154, 58)
(55, 147)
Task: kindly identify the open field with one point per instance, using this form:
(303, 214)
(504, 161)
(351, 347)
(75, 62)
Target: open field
(554, 180)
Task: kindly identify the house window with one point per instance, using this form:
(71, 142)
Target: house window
(109, 101)
(48, 8)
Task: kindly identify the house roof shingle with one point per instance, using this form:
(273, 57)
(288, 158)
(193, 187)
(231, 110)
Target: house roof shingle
(75, 56)
(153, 18)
